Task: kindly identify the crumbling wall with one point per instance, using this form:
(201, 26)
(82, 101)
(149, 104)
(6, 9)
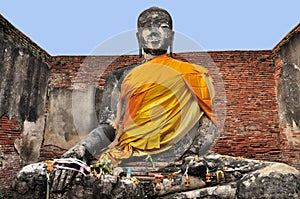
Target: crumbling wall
(10, 129)
(75, 91)
(287, 61)
(71, 116)
(23, 86)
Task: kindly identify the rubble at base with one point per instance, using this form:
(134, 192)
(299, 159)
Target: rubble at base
(211, 176)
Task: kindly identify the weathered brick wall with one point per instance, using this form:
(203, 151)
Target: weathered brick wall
(287, 62)
(251, 125)
(10, 129)
(68, 71)
(23, 85)
(81, 76)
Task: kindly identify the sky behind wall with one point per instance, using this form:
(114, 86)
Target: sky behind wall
(79, 27)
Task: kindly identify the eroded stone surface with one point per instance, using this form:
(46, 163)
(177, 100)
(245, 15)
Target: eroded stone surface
(230, 177)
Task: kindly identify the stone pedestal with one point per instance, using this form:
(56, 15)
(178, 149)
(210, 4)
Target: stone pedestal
(211, 176)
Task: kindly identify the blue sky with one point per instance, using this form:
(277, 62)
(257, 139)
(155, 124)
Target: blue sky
(78, 27)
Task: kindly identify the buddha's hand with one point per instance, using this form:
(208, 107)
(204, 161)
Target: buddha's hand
(65, 171)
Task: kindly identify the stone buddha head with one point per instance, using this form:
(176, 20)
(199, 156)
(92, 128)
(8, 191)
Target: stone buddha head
(155, 31)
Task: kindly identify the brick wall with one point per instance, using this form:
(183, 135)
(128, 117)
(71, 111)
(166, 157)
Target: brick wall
(251, 127)
(10, 129)
(67, 71)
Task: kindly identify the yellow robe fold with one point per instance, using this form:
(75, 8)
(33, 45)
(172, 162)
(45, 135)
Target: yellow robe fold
(164, 98)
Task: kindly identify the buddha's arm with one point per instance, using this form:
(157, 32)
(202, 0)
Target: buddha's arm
(93, 143)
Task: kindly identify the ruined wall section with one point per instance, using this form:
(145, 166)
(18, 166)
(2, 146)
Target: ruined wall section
(287, 61)
(75, 91)
(23, 86)
(10, 130)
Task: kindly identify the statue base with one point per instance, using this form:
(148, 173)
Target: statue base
(210, 176)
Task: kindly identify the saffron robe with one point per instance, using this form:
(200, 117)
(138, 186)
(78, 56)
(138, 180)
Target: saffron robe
(164, 99)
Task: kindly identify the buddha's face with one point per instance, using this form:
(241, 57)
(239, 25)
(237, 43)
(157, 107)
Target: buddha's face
(155, 32)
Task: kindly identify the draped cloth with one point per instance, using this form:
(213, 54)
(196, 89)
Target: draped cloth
(163, 100)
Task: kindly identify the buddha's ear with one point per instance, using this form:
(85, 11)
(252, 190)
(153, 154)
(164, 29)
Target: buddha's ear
(140, 44)
(171, 43)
